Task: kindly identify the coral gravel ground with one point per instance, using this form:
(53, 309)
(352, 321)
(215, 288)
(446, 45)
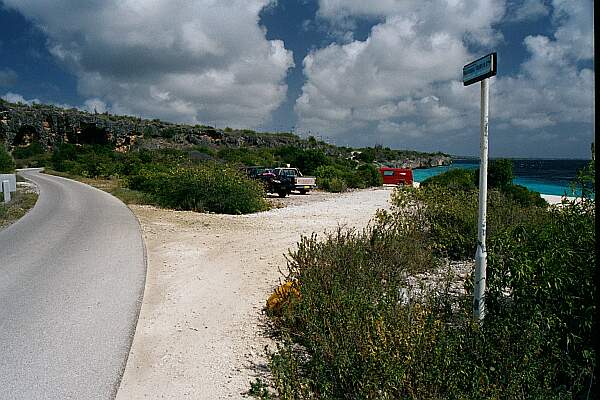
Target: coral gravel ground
(201, 332)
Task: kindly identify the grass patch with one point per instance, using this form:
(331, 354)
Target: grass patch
(22, 201)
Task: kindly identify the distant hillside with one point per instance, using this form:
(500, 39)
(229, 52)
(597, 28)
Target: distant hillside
(22, 125)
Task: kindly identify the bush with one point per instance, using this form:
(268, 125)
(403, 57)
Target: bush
(523, 196)
(500, 174)
(246, 156)
(542, 273)
(168, 133)
(210, 187)
(454, 179)
(334, 185)
(331, 179)
(307, 161)
(30, 151)
(7, 163)
(359, 329)
(337, 178)
(369, 175)
(499, 177)
(452, 216)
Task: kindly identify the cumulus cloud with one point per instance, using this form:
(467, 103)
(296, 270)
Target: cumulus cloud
(404, 80)
(17, 98)
(528, 10)
(95, 106)
(8, 77)
(472, 18)
(552, 86)
(192, 61)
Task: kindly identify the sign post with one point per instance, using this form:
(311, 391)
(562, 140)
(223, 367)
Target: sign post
(481, 70)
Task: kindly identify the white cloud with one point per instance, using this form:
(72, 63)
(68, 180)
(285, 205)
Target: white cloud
(95, 106)
(403, 77)
(529, 10)
(457, 17)
(17, 98)
(192, 61)
(552, 87)
(404, 80)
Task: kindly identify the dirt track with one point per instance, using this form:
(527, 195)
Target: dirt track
(199, 334)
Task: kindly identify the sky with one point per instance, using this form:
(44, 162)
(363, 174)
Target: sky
(351, 72)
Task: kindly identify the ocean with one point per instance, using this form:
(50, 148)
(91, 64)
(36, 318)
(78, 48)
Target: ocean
(541, 175)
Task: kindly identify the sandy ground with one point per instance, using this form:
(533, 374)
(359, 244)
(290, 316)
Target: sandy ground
(201, 330)
(554, 199)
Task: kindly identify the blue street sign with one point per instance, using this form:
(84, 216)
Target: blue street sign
(479, 69)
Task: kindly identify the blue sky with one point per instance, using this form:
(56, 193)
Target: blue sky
(352, 72)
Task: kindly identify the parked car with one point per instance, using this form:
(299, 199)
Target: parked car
(396, 176)
(272, 183)
(302, 184)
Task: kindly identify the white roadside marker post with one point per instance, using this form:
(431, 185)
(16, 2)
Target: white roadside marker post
(6, 190)
(481, 70)
(481, 254)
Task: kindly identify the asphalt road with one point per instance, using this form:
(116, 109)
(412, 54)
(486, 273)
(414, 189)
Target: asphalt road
(72, 277)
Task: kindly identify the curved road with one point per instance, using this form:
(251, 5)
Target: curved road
(72, 277)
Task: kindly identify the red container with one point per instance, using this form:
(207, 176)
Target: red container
(396, 176)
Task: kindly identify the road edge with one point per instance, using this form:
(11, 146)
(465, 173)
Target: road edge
(140, 300)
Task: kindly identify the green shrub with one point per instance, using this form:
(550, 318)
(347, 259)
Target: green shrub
(369, 175)
(307, 161)
(452, 216)
(454, 179)
(354, 332)
(585, 181)
(500, 174)
(542, 273)
(334, 185)
(246, 156)
(168, 133)
(30, 151)
(523, 196)
(499, 177)
(7, 163)
(331, 179)
(337, 178)
(209, 187)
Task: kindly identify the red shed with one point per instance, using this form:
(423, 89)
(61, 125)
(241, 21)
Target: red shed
(396, 176)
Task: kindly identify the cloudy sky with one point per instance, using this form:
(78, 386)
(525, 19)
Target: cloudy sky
(353, 72)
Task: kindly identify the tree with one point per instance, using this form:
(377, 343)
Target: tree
(7, 164)
(500, 174)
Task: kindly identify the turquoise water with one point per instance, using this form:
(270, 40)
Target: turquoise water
(543, 176)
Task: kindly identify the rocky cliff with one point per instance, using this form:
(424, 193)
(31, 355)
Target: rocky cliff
(48, 125)
(21, 125)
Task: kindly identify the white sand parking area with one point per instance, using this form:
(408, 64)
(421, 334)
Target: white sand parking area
(200, 334)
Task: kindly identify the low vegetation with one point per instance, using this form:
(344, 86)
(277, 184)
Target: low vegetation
(385, 313)
(500, 177)
(7, 163)
(208, 187)
(21, 202)
(199, 178)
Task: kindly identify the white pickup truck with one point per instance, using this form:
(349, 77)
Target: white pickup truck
(302, 184)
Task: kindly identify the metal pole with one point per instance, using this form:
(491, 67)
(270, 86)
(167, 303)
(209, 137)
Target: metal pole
(481, 254)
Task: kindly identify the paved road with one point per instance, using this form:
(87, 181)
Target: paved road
(72, 277)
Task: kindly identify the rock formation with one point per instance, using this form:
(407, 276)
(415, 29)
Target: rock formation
(21, 125)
